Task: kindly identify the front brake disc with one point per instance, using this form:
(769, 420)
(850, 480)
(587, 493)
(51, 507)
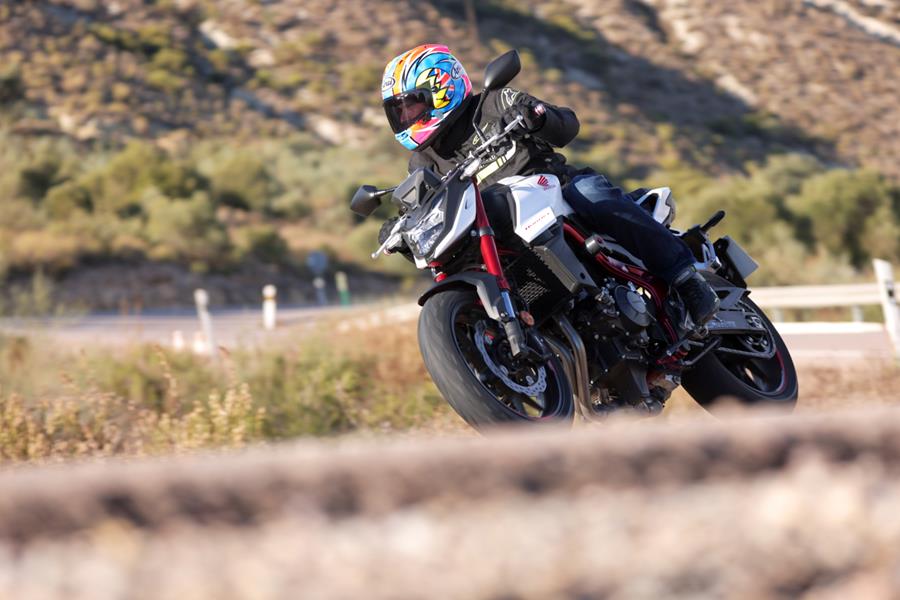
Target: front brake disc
(502, 374)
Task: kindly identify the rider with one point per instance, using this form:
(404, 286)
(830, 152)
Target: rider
(429, 104)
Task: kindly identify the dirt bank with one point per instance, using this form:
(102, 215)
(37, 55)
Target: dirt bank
(795, 507)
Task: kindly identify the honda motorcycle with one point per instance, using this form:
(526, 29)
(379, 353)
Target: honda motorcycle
(533, 317)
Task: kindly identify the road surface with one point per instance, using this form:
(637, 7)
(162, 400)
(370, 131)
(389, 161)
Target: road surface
(830, 342)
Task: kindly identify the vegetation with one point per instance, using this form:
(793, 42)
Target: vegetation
(215, 206)
(216, 139)
(57, 403)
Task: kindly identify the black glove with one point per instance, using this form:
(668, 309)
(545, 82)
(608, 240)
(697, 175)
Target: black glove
(533, 116)
(385, 232)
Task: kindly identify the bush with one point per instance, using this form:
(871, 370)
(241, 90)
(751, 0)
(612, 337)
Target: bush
(184, 230)
(117, 186)
(178, 179)
(64, 200)
(37, 178)
(52, 251)
(263, 243)
(244, 182)
(12, 88)
(145, 400)
(834, 209)
(172, 60)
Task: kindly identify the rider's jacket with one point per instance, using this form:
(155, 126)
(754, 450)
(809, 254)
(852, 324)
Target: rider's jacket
(524, 156)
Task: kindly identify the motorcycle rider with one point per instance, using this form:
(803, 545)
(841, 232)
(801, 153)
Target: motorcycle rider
(427, 97)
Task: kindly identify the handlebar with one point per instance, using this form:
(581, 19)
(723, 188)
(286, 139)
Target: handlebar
(470, 165)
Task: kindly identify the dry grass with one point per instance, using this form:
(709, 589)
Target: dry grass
(57, 403)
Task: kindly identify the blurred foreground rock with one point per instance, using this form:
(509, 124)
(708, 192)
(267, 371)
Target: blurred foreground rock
(793, 507)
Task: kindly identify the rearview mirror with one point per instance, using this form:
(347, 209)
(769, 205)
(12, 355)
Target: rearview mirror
(365, 200)
(502, 70)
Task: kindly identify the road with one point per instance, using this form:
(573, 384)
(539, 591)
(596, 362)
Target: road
(829, 342)
(231, 327)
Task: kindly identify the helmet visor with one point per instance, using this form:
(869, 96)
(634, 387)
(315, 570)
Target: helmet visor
(408, 108)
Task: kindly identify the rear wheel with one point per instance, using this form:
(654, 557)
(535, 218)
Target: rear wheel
(468, 357)
(752, 369)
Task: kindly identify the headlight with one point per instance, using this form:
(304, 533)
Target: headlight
(426, 232)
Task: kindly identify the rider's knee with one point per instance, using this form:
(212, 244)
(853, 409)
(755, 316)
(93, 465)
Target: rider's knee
(594, 189)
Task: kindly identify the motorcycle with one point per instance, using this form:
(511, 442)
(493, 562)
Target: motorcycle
(533, 317)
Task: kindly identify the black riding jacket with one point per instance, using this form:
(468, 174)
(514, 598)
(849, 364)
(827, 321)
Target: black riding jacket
(525, 156)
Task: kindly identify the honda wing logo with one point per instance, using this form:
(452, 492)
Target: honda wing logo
(544, 182)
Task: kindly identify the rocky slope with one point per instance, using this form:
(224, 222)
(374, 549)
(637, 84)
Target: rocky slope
(718, 82)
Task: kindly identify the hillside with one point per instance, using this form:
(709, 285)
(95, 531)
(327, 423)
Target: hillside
(265, 115)
(758, 73)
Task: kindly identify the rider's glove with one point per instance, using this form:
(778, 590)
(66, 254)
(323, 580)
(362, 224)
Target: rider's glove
(533, 115)
(383, 234)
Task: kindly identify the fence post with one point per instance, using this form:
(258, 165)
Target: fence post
(269, 307)
(884, 274)
(178, 340)
(201, 298)
(343, 287)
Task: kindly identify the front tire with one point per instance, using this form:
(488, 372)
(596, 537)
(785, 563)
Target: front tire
(466, 352)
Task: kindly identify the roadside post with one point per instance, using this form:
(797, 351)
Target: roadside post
(343, 287)
(318, 263)
(269, 307)
(199, 345)
(321, 296)
(178, 340)
(884, 274)
(201, 298)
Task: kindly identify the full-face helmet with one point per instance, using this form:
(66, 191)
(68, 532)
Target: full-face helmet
(420, 89)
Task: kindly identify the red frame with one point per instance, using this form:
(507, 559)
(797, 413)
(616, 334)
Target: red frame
(658, 289)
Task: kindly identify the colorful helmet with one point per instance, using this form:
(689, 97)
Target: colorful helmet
(420, 89)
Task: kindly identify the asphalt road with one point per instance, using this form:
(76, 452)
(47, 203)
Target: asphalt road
(232, 328)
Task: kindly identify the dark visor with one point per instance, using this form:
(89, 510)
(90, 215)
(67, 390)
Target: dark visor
(408, 108)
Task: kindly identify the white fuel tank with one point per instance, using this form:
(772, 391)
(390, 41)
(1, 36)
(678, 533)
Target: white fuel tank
(539, 202)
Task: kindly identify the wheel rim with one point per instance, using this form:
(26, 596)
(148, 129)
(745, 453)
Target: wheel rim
(764, 375)
(534, 393)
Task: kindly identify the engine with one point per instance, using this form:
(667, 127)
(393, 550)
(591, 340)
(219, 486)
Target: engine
(616, 327)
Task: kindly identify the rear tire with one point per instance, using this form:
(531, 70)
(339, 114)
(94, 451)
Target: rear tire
(751, 383)
(447, 324)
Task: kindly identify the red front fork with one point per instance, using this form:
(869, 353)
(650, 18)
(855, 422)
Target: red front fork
(488, 246)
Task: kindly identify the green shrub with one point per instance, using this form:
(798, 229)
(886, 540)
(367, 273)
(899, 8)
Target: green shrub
(263, 243)
(62, 201)
(38, 177)
(178, 179)
(834, 208)
(165, 80)
(51, 250)
(12, 88)
(243, 181)
(185, 230)
(172, 60)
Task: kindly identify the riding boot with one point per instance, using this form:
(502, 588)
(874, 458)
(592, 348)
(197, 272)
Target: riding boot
(699, 298)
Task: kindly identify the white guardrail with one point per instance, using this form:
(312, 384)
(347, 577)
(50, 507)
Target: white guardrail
(773, 299)
(855, 296)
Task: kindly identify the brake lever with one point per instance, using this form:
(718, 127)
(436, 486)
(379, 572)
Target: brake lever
(392, 239)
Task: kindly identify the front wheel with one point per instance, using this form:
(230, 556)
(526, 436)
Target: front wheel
(753, 369)
(468, 357)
